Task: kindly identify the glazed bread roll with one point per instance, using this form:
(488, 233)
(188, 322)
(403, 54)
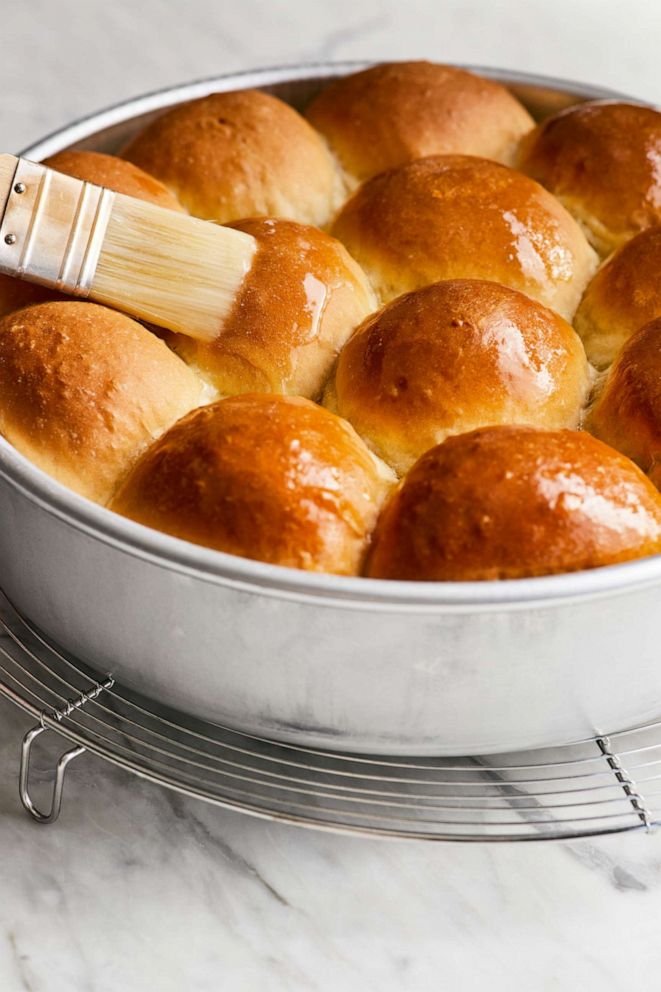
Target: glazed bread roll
(624, 295)
(391, 114)
(300, 302)
(102, 170)
(241, 154)
(601, 161)
(509, 502)
(84, 389)
(627, 414)
(454, 217)
(273, 478)
(452, 357)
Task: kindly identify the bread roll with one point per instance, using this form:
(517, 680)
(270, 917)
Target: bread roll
(273, 478)
(300, 302)
(627, 414)
(456, 217)
(508, 502)
(452, 357)
(84, 389)
(102, 170)
(624, 295)
(602, 162)
(241, 154)
(391, 114)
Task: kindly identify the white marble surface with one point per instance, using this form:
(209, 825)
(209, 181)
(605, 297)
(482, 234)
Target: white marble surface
(136, 889)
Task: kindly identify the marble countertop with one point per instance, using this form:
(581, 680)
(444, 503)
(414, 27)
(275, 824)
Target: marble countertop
(136, 888)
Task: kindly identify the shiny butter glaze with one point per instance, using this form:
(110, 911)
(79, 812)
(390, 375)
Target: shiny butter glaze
(274, 478)
(456, 216)
(505, 502)
(455, 356)
(603, 160)
(299, 303)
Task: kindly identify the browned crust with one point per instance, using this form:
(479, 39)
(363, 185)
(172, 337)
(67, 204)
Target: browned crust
(456, 216)
(84, 389)
(394, 113)
(601, 159)
(455, 356)
(509, 502)
(240, 154)
(272, 478)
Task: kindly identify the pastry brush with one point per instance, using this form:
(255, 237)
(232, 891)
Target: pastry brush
(85, 241)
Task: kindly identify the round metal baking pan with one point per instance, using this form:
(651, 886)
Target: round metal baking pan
(411, 667)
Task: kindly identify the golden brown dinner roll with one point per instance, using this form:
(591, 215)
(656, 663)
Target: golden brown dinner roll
(627, 414)
(233, 155)
(452, 357)
(102, 170)
(84, 389)
(456, 216)
(624, 295)
(274, 478)
(508, 502)
(602, 162)
(299, 303)
(391, 114)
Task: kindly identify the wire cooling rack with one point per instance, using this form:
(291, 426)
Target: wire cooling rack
(603, 785)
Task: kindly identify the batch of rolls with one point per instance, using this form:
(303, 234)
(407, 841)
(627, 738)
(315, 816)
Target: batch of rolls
(444, 365)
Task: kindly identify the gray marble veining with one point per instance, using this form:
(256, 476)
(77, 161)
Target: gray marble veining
(138, 888)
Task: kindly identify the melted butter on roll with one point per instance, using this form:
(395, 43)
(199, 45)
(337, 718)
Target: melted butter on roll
(273, 478)
(510, 502)
(452, 357)
(460, 217)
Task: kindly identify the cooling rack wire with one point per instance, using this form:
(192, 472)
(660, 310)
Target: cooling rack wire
(598, 786)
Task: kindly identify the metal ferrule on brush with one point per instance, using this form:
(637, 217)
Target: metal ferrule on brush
(53, 228)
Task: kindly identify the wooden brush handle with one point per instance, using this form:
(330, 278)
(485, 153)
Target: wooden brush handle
(51, 226)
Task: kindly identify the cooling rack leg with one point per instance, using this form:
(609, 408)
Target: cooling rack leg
(60, 771)
(629, 787)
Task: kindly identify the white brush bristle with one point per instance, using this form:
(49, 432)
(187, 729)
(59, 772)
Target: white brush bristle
(171, 269)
